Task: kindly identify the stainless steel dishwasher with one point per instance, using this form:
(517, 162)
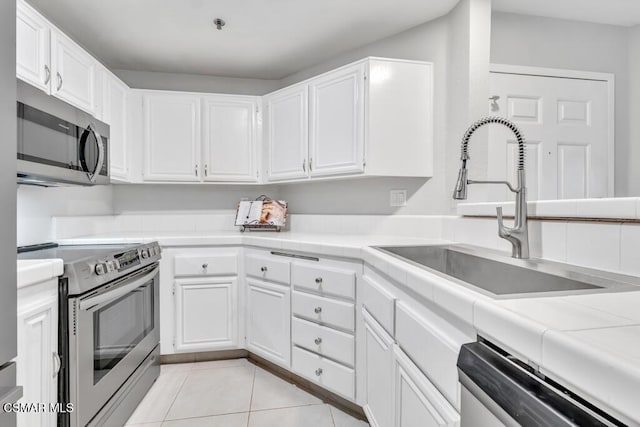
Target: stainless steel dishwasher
(499, 390)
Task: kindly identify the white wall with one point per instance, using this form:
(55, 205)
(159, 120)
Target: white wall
(196, 83)
(632, 159)
(556, 43)
(37, 205)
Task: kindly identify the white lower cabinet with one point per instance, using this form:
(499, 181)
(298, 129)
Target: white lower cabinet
(269, 321)
(206, 314)
(378, 347)
(418, 403)
(37, 361)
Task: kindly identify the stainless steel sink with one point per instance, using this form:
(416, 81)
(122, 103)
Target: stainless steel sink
(496, 274)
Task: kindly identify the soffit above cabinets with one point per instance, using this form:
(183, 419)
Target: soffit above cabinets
(261, 39)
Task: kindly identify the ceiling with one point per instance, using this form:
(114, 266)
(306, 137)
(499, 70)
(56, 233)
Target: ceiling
(266, 39)
(614, 12)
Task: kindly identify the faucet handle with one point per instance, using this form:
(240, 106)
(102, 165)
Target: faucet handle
(501, 226)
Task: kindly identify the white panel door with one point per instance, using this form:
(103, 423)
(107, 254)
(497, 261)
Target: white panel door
(417, 402)
(287, 126)
(33, 56)
(379, 373)
(114, 113)
(206, 314)
(230, 138)
(269, 321)
(73, 72)
(171, 137)
(336, 133)
(37, 361)
(566, 122)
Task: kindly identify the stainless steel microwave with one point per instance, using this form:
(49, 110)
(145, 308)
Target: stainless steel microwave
(59, 144)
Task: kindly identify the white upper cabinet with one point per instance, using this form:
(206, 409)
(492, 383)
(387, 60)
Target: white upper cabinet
(230, 138)
(114, 103)
(171, 137)
(73, 72)
(288, 136)
(33, 47)
(336, 111)
(373, 117)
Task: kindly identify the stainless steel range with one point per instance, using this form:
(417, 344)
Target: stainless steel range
(109, 329)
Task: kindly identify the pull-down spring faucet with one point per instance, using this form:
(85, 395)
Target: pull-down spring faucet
(518, 235)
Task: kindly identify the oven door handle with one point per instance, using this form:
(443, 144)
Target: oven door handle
(100, 300)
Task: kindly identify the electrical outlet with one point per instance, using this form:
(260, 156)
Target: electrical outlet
(397, 198)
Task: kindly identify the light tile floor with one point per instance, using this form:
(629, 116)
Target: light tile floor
(232, 393)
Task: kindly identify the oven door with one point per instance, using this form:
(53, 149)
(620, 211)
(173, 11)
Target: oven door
(111, 332)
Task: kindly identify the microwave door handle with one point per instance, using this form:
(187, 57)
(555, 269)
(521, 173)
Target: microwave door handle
(100, 300)
(92, 175)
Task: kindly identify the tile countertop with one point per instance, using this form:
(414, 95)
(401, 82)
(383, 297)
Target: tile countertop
(589, 343)
(32, 271)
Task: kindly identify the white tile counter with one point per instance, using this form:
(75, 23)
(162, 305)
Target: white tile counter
(588, 343)
(35, 271)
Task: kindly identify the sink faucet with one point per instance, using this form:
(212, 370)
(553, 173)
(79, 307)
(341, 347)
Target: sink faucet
(518, 235)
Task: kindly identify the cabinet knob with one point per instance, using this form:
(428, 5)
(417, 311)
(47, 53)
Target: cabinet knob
(318, 341)
(205, 266)
(318, 372)
(318, 310)
(319, 280)
(263, 269)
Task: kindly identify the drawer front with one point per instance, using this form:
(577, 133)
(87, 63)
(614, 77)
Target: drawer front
(337, 345)
(323, 310)
(430, 349)
(325, 372)
(380, 303)
(268, 269)
(212, 265)
(324, 280)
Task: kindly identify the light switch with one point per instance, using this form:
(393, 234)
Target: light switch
(397, 198)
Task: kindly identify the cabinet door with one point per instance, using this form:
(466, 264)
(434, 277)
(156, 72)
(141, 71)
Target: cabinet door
(418, 403)
(37, 361)
(114, 110)
(206, 314)
(230, 138)
(336, 110)
(288, 134)
(171, 137)
(269, 321)
(379, 373)
(32, 47)
(73, 72)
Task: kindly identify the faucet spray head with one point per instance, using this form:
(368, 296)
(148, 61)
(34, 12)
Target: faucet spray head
(460, 191)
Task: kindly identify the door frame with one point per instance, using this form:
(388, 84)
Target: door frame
(609, 78)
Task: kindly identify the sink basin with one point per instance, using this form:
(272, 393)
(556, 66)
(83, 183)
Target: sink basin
(500, 275)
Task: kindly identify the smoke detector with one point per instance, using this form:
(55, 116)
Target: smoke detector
(219, 23)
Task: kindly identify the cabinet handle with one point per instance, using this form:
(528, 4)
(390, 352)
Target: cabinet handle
(318, 372)
(205, 170)
(47, 72)
(196, 170)
(205, 266)
(318, 341)
(310, 164)
(263, 269)
(304, 165)
(59, 81)
(56, 364)
(318, 310)
(318, 280)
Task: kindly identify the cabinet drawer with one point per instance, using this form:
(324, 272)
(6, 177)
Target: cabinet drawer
(324, 280)
(380, 303)
(434, 353)
(211, 265)
(325, 372)
(337, 345)
(324, 310)
(267, 268)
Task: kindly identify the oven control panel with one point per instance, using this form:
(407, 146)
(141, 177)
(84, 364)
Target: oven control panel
(125, 260)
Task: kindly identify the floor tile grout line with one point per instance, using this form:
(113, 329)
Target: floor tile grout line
(333, 420)
(289, 407)
(203, 416)
(253, 386)
(174, 398)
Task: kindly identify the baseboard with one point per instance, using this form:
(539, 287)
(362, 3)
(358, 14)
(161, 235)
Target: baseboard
(321, 393)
